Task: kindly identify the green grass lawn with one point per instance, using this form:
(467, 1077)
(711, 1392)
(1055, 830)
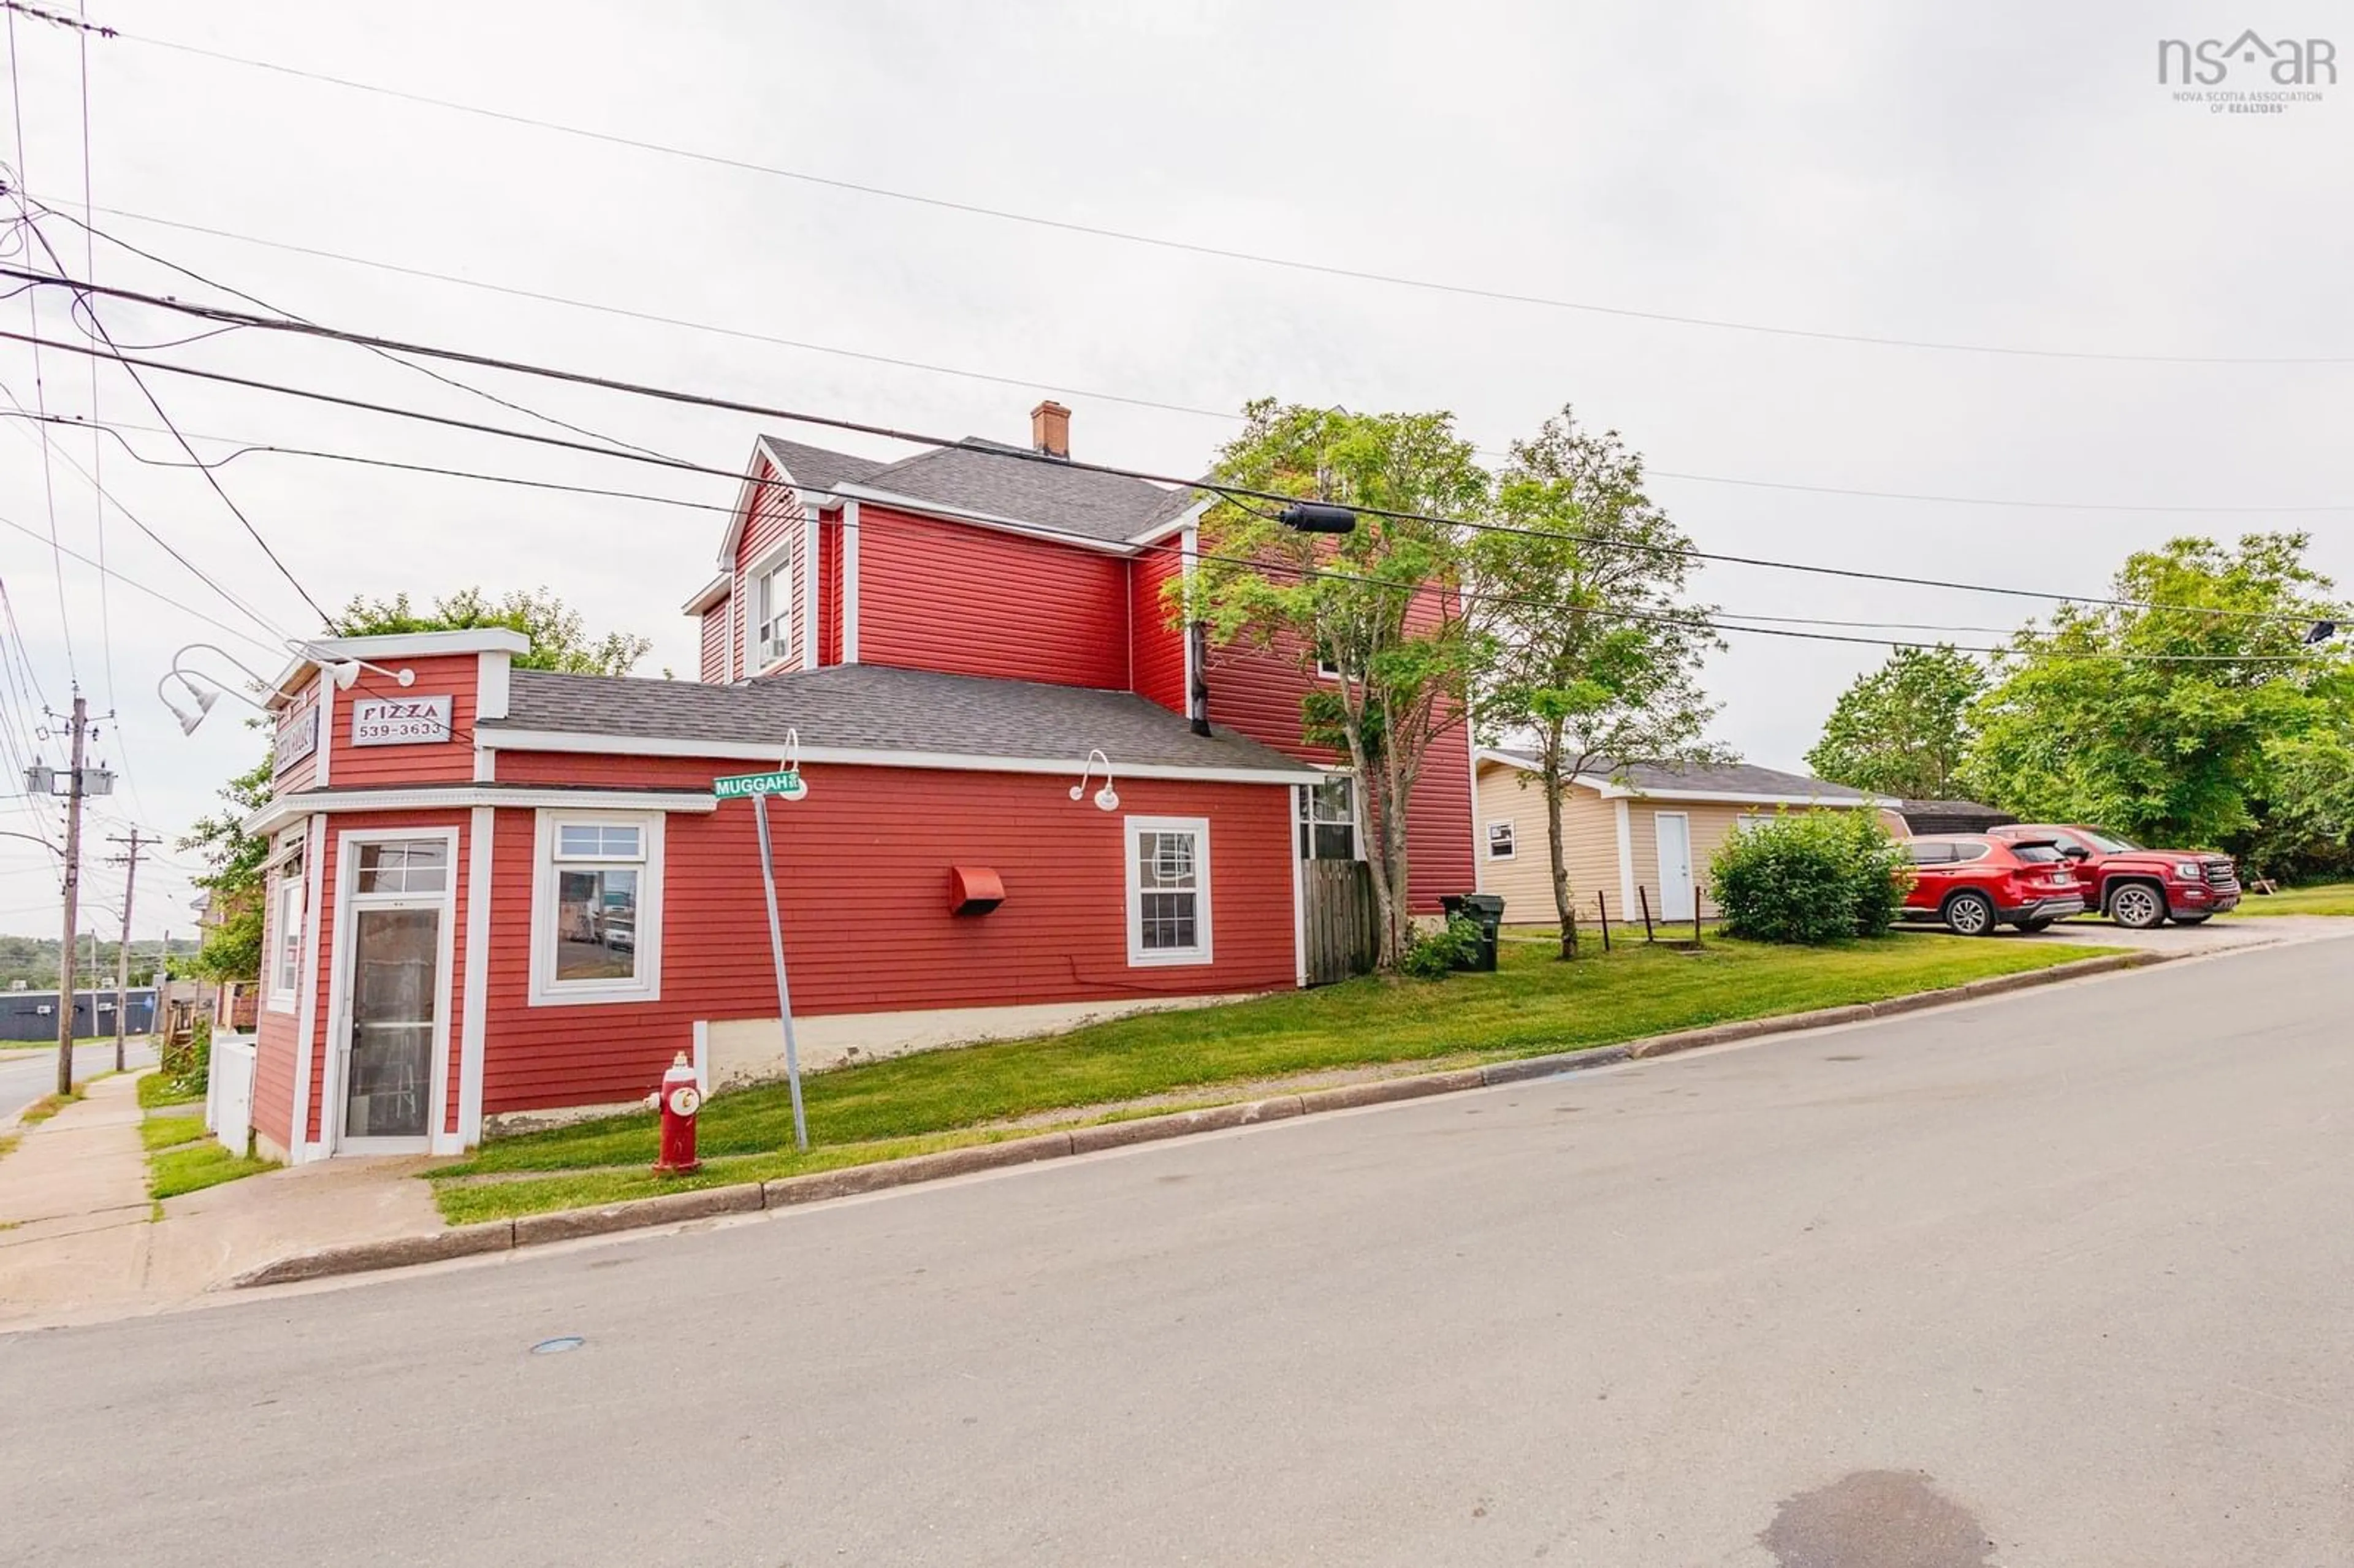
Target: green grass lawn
(194, 1167)
(170, 1131)
(1535, 1005)
(2322, 898)
(47, 1105)
(157, 1089)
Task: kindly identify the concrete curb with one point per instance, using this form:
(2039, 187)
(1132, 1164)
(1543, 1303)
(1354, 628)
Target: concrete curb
(791, 1192)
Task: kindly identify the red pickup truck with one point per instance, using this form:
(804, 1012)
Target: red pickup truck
(2135, 886)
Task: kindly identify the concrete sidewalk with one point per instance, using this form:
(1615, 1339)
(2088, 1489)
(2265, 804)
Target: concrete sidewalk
(79, 1242)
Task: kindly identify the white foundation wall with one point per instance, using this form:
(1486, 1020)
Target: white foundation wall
(736, 1052)
(740, 1050)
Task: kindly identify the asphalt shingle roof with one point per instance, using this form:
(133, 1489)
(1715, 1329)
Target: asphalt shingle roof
(877, 708)
(1729, 779)
(814, 468)
(976, 476)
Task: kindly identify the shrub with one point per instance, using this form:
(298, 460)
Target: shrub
(186, 1068)
(1435, 955)
(1811, 877)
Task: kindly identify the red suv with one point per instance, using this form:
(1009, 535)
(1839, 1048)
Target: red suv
(1973, 883)
(2141, 887)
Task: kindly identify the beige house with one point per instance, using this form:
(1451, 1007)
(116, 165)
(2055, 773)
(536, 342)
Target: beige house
(1642, 832)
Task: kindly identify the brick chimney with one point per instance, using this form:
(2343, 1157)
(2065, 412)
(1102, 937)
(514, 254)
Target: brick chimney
(1050, 429)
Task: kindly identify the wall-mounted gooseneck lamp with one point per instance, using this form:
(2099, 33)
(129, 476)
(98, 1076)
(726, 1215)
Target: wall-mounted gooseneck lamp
(206, 696)
(341, 668)
(1107, 798)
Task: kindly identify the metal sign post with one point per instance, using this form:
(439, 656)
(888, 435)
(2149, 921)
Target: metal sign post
(777, 949)
(786, 782)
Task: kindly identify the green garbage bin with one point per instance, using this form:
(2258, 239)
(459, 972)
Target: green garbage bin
(1486, 911)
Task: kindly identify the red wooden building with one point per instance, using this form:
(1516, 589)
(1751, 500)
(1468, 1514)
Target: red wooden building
(498, 894)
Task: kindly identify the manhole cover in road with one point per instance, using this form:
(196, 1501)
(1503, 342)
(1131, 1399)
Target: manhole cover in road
(558, 1345)
(1876, 1519)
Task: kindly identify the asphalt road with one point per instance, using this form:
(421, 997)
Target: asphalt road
(27, 1075)
(2062, 1279)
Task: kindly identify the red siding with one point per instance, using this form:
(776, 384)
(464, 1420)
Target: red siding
(275, 1048)
(1157, 644)
(1256, 691)
(934, 595)
(1438, 824)
(454, 676)
(887, 838)
(715, 622)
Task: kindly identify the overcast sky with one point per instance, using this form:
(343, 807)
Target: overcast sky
(2007, 175)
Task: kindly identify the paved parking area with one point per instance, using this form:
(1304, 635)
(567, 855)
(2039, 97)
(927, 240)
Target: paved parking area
(2214, 937)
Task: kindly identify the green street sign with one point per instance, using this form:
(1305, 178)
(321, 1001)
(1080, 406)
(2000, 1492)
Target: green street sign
(785, 784)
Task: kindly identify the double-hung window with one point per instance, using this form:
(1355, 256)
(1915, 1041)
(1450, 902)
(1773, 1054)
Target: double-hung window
(597, 911)
(1328, 820)
(1500, 844)
(772, 601)
(1168, 890)
(286, 911)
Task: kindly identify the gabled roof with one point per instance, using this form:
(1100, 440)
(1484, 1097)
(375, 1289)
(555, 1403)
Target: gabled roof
(990, 480)
(875, 709)
(1722, 781)
(975, 475)
(814, 468)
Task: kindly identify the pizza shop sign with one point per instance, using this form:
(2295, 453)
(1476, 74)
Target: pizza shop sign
(400, 721)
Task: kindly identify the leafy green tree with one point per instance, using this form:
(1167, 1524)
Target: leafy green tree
(559, 637)
(232, 949)
(2305, 820)
(2164, 723)
(1903, 728)
(1377, 605)
(1589, 644)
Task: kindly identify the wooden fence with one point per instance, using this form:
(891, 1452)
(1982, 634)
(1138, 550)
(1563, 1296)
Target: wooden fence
(1343, 928)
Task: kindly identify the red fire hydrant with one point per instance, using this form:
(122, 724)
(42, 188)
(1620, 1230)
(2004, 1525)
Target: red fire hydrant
(678, 1100)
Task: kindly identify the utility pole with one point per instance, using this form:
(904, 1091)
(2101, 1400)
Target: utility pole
(130, 859)
(73, 896)
(81, 781)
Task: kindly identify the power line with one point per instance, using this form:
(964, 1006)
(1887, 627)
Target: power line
(175, 601)
(249, 449)
(1196, 247)
(108, 497)
(428, 372)
(1009, 454)
(529, 436)
(131, 368)
(97, 447)
(1730, 624)
(40, 387)
(1047, 383)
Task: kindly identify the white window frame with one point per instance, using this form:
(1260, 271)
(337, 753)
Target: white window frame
(1511, 839)
(757, 659)
(1132, 829)
(288, 903)
(545, 990)
(1304, 817)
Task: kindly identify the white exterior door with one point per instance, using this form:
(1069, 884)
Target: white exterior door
(1676, 899)
(387, 1062)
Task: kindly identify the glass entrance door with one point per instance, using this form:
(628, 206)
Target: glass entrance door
(396, 991)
